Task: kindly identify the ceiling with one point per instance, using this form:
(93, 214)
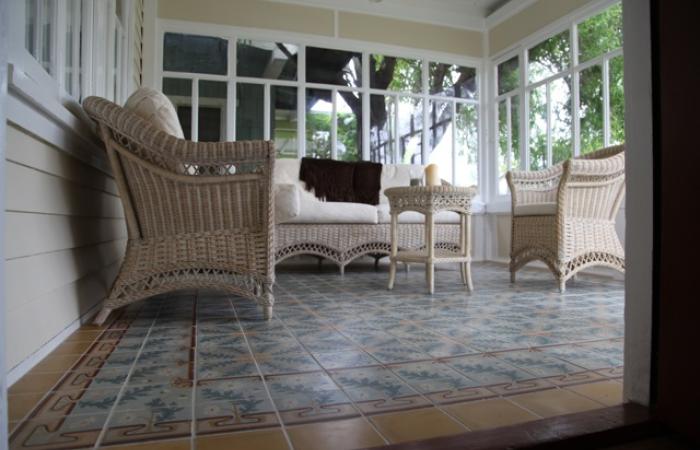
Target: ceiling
(470, 14)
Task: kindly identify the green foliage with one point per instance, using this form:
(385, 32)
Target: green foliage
(318, 134)
(600, 34)
(347, 137)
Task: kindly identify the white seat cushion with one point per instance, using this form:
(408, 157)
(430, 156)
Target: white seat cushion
(335, 212)
(536, 209)
(287, 205)
(416, 217)
(156, 108)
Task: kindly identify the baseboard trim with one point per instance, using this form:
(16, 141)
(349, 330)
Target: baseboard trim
(32, 360)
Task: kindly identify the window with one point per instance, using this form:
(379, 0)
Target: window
(78, 46)
(327, 102)
(573, 96)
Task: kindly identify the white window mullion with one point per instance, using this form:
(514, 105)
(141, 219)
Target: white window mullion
(231, 110)
(194, 129)
(549, 124)
(606, 102)
(86, 66)
(266, 112)
(425, 136)
(301, 102)
(61, 12)
(365, 108)
(77, 33)
(524, 114)
(334, 124)
(395, 140)
(454, 141)
(509, 134)
(576, 97)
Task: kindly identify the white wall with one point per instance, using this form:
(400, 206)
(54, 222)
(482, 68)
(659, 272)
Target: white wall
(638, 249)
(3, 92)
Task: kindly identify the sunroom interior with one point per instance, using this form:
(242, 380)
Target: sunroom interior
(485, 90)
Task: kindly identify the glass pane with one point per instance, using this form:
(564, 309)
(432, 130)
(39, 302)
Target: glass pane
(410, 130)
(600, 34)
(508, 75)
(274, 60)
(179, 91)
(284, 120)
(549, 57)
(196, 54)
(395, 74)
(250, 111)
(538, 128)
(319, 114)
(349, 116)
(39, 31)
(440, 137)
(591, 109)
(515, 132)
(503, 139)
(337, 67)
(72, 49)
(617, 100)
(467, 141)
(382, 130)
(560, 93)
(212, 111)
(452, 80)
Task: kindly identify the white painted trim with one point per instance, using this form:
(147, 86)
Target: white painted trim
(507, 11)
(5, 9)
(432, 13)
(32, 360)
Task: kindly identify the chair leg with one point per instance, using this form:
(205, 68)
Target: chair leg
(562, 286)
(267, 312)
(512, 276)
(102, 316)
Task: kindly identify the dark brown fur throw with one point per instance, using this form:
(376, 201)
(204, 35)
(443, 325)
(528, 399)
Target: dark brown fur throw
(340, 181)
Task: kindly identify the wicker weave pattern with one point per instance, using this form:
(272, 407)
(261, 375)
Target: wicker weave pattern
(199, 215)
(588, 192)
(342, 243)
(431, 199)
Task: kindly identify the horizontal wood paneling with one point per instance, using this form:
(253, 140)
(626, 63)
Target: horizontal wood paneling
(64, 239)
(29, 190)
(30, 151)
(36, 323)
(30, 234)
(34, 276)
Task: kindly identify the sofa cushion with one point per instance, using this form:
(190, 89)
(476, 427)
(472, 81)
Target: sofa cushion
(156, 108)
(536, 209)
(287, 204)
(316, 211)
(416, 217)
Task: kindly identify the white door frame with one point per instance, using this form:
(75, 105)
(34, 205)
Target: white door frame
(4, 38)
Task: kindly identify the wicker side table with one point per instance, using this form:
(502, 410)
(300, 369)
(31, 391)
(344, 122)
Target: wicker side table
(430, 200)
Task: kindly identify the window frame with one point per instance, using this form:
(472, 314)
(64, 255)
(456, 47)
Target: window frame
(569, 23)
(232, 34)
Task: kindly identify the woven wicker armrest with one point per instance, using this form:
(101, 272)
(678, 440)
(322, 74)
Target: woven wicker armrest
(598, 168)
(172, 153)
(539, 186)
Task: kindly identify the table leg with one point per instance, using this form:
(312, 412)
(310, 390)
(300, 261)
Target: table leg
(430, 275)
(394, 250)
(430, 244)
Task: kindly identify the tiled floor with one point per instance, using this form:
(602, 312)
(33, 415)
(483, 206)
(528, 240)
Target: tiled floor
(343, 361)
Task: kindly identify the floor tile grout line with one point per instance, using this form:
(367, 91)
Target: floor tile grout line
(195, 370)
(112, 410)
(327, 373)
(262, 378)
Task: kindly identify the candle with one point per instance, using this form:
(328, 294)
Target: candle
(432, 176)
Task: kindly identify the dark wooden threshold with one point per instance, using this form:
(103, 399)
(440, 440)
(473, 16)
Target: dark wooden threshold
(592, 429)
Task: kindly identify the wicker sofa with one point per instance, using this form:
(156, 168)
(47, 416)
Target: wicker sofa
(342, 232)
(565, 215)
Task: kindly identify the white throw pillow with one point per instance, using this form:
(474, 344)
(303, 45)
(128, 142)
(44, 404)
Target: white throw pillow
(287, 203)
(155, 107)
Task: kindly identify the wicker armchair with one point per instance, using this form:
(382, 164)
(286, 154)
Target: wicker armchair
(565, 215)
(199, 215)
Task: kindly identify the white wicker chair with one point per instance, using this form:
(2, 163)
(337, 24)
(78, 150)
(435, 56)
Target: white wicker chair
(565, 215)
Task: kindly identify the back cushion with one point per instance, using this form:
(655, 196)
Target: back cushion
(156, 108)
(394, 175)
